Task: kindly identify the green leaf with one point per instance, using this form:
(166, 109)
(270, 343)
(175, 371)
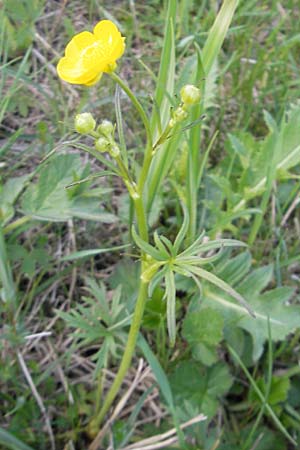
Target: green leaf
(162, 104)
(279, 389)
(147, 248)
(217, 34)
(183, 229)
(204, 353)
(160, 375)
(203, 329)
(92, 252)
(10, 192)
(8, 290)
(200, 386)
(216, 281)
(126, 273)
(281, 144)
(273, 304)
(49, 200)
(161, 379)
(166, 76)
(170, 296)
(236, 268)
(204, 326)
(10, 441)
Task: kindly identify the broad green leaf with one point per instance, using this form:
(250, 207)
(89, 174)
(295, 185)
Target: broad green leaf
(8, 195)
(48, 199)
(279, 389)
(273, 304)
(203, 329)
(204, 326)
(193, 383)
(204, 353)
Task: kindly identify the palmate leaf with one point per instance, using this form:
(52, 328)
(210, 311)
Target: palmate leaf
(272, 304)
(48, 199)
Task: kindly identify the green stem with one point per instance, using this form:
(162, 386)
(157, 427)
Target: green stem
(141, 218)
(146, 123)
(17, 223)
(135, 103)
(134, 328)
(127, 357)
(143, 287)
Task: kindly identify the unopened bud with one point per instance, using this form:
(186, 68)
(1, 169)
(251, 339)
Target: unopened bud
(84, 123)
(114, 150)
(102, 144)
(105, 128)
(180, 114)
(172, 123)
(190, 95)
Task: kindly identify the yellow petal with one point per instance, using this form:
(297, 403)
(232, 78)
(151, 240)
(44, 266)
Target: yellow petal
(79, 42)
(75, 71)
(110, 38)
(106, 32)
(94, 80)
(88, 55)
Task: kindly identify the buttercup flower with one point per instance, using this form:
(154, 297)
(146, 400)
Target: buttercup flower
(88, 55)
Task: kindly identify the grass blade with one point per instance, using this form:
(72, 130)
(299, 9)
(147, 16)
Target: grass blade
(261, 397)
(10, 441)
(217, 34)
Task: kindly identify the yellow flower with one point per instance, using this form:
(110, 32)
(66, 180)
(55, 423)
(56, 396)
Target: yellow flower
(88, 55)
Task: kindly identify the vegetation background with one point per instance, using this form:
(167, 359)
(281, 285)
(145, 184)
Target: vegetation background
(69, 281)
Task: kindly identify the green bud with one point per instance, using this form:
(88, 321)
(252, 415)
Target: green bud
(105, 128)
(180, 114)
(102, 144)
(190, 95)
(114, 150)
(172, 123)
(84, 123)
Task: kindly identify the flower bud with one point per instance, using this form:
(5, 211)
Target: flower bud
(102, 144)
(172, 123)
(84, 123)
(190, 95)
(180, 114)
(114, 150)
(105, 128)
